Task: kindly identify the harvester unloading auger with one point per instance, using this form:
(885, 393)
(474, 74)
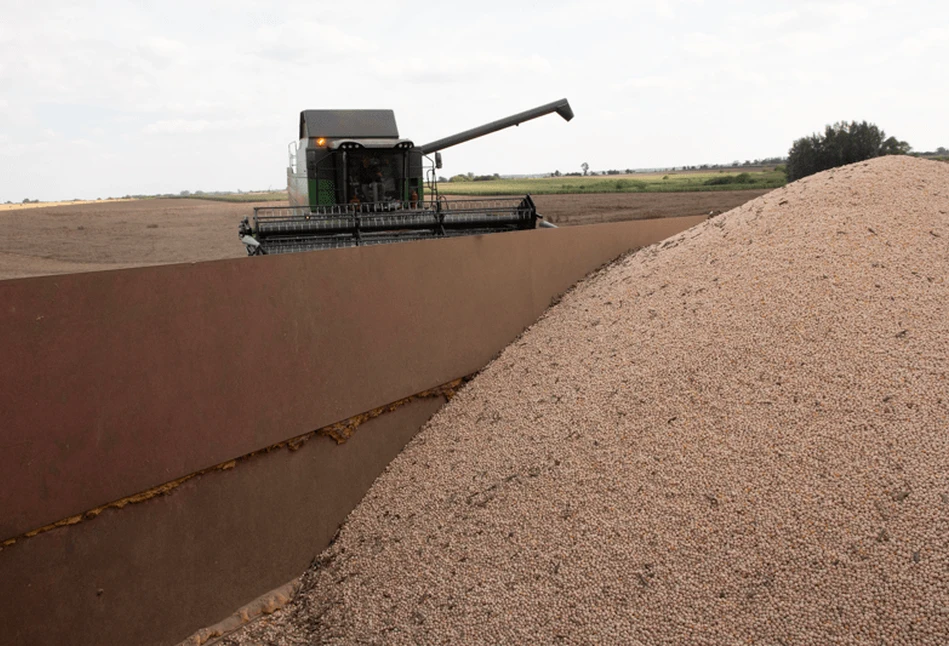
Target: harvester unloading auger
(352, 181)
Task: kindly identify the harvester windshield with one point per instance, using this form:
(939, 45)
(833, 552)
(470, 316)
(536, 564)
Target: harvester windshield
(374, 176)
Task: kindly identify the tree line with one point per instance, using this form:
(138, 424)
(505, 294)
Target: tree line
(840, 144)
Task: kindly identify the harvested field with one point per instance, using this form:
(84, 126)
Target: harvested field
(112, 235)
(43, 205)
(740, 435)
(567, 210)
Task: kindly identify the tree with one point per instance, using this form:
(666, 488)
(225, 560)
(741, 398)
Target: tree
(892, 146)
(842, 143)
(585, 166)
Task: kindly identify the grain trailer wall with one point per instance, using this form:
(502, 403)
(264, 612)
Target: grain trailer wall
(158, 461)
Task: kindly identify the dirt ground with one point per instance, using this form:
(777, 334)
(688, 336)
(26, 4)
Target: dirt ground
(112, 235)
(569, 210)
(90, 237)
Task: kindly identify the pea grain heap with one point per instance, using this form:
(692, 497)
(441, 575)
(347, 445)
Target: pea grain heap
(739, 435)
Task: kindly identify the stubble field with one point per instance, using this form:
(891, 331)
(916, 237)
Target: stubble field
(112, 235)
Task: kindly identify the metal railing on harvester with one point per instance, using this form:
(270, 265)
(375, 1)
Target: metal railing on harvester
(276, 230)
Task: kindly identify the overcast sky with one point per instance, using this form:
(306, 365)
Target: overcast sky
(154, 97)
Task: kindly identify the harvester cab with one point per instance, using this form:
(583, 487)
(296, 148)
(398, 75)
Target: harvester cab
(353, 181)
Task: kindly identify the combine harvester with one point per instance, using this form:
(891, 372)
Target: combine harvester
(352, 181)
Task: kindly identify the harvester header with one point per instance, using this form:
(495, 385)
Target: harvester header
(353, 181)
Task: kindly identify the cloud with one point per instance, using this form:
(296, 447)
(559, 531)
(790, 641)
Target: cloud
(164, 51)
(779, 18)
(664, 9)
(919, 43)
(846, 12)
(310, 41)
(177, 127)
(197, 126)
(705, 45)
(651, 83)
(164, 47)
(459, 69)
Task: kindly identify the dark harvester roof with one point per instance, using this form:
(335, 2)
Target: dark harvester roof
(348, 123)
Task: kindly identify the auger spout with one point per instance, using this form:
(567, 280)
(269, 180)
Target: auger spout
(561, 107)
